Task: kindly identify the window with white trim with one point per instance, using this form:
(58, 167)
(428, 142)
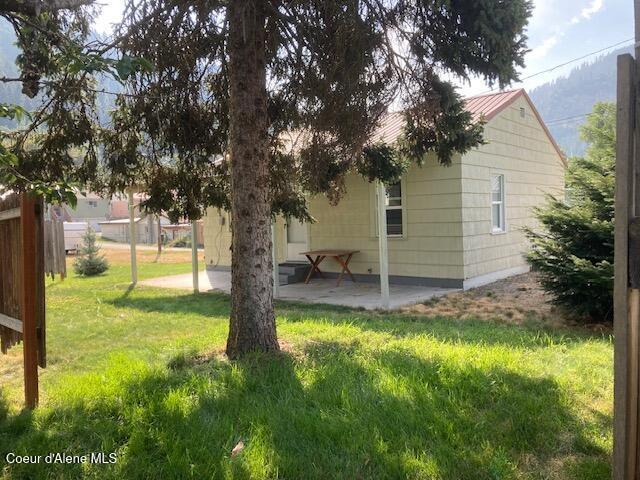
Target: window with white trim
(497, 204)
(393, 205)
(93, 203)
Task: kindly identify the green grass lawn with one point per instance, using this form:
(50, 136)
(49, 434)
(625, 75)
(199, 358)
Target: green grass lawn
(355, 395)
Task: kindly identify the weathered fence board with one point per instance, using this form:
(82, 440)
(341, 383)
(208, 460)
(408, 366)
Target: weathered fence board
(54, 252)
(9, 214)
(12, 323)
(31, 232)
(626, 277)
(10, 284)
(22, 289)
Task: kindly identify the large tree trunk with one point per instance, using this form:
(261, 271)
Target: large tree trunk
(252, 325)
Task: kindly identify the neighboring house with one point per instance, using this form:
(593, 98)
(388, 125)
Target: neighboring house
(120, 206)
(457, 226)
(146, 229)
(90, 208)
(95, 210)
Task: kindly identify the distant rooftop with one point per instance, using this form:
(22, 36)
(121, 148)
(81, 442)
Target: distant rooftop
(120, 221)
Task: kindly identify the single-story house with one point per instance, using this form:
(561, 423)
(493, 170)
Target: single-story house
(146, 229)
(457, 226)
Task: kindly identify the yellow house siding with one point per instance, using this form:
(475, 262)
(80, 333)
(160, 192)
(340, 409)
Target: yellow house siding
(519, 149)
(432, 242)
(446, 210)
(217, 239)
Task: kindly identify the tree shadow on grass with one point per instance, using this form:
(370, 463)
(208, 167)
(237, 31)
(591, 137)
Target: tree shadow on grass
(475, 332)
(4, 406)
(331, 411)
(209, 304)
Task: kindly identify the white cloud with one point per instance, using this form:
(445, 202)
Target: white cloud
(542, 49)
(587, 12)
(559, 28)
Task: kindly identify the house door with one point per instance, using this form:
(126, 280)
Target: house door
(297, 240)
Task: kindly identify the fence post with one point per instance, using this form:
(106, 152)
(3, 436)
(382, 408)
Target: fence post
(28, 298)
(626, 300)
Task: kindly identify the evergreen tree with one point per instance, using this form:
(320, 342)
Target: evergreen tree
(210, 125)
(574, 249)
(89, 262)
(236, 80)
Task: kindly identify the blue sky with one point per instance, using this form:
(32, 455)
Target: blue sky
(563, 30)
(558, 31)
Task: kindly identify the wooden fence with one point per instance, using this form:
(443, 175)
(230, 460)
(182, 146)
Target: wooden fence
(627, 275)
(55, 261)
(22, 296)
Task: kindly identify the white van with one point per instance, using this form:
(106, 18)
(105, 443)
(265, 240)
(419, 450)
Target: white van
(73, 233)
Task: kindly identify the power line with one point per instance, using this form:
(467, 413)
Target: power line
(548, 70)
(533, 75)
(577, 59)
(629, 41)
(562, 120)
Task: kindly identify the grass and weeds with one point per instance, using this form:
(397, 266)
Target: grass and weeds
(354, 394)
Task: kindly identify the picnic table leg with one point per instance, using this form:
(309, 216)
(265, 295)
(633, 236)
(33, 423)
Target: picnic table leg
(314, 266)
(345, 267)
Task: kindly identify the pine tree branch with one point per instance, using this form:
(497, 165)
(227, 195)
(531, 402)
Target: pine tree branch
(36, 7)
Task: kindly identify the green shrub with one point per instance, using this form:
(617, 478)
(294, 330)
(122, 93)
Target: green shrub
(89, 262)
(573, 249)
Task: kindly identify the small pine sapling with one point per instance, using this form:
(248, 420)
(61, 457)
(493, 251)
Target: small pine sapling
(89, 261)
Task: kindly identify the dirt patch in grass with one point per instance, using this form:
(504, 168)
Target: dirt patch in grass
(123, 256)
(514, 300)
(218, 355)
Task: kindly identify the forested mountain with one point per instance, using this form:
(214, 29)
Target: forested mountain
(11, 92)
(574, 96)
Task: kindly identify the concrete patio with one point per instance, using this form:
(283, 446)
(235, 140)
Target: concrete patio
(349, 294)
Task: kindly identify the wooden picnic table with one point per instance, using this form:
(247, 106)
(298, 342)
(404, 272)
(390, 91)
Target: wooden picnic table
(343, 257)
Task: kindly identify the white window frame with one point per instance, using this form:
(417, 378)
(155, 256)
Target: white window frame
(396, 207)
(401, 207)
(502, 203)
(92, 203)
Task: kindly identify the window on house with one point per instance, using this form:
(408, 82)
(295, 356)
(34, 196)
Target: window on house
(497, 204)
(394, 210)
(93, 203)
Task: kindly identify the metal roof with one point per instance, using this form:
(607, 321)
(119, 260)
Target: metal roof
(480, 106)
(122, 221)
(489, 105)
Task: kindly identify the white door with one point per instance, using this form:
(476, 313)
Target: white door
(297, 241)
